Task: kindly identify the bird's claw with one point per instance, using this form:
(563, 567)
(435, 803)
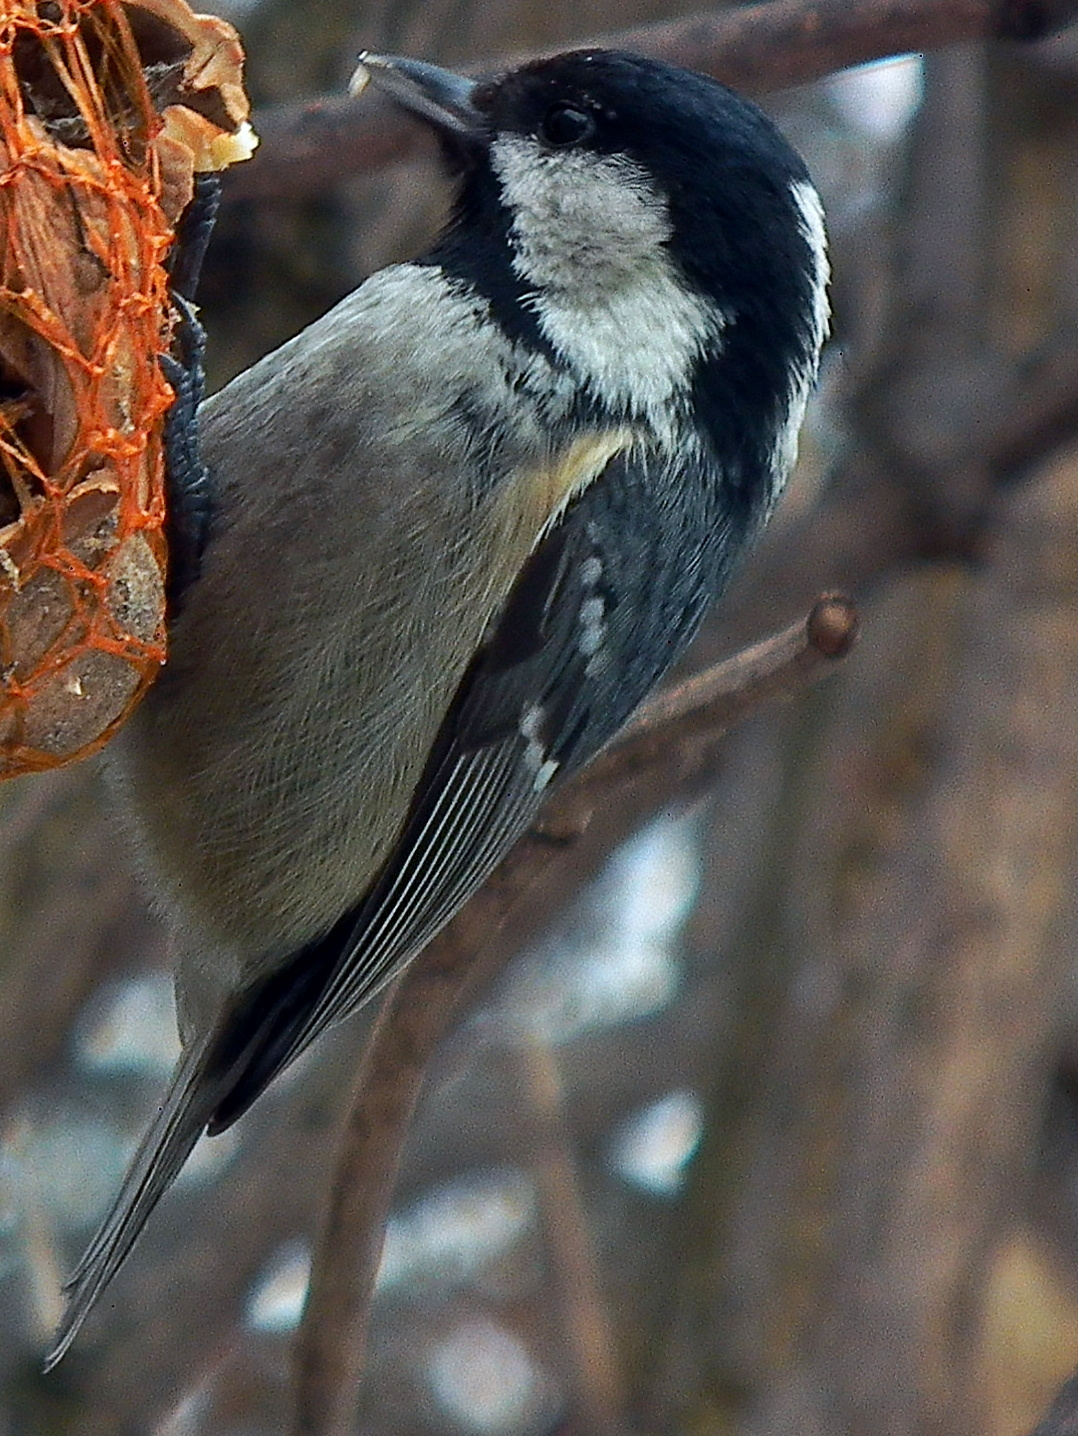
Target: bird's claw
(187, 480)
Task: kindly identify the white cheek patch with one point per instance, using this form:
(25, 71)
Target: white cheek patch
(590, 234)
(583, 223)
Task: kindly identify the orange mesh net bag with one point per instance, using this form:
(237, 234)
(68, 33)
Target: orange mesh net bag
(107, 111)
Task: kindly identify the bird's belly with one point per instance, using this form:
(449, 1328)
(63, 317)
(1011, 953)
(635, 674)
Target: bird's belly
(265, 812)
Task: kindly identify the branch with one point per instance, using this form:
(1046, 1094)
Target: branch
(1061, 1419)
(665, 756)
(587, 1339)
(1041, 414)
(307, 147)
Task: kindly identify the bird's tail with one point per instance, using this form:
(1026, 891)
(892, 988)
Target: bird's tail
(184, 1113)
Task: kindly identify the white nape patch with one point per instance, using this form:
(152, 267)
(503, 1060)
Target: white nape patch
(813, 229)
(811, 225)
(590, 235)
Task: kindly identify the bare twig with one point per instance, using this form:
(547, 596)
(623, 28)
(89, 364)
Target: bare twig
(77, 920)
(1061, 1419)
(306, 147)
(587, 1333)
(1042, 413)
(665, 756)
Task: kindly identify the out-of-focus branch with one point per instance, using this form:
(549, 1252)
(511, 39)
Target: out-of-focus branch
(1042, 415)
(588, 1338)
(309, 146)
(868, 523)
(1061, 1418)
(664, 757)
(76, 919)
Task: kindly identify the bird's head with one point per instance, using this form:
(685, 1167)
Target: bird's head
(651, 227)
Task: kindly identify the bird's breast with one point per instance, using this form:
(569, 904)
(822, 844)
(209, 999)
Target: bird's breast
(365, 536)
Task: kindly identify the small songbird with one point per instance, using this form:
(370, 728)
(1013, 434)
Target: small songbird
(456, 531)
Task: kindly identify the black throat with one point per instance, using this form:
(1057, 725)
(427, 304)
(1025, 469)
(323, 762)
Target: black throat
(477, 249)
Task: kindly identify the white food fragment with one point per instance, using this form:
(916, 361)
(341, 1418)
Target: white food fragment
(361, 78)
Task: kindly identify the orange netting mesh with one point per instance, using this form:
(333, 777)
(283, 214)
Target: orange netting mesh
(97, 153)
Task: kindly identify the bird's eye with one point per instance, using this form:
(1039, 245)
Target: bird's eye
(564, 125)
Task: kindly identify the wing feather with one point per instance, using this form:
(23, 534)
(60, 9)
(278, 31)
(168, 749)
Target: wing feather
(609, 599)
(442, 872)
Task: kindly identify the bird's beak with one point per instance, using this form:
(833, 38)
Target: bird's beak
(436, 95)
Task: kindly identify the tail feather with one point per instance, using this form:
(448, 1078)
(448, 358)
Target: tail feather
(184, 1113)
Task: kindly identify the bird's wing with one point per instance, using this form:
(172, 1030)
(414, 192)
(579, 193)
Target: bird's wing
(180, 1121)
(609, 598)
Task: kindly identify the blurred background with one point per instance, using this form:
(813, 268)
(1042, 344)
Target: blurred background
(777, 1130)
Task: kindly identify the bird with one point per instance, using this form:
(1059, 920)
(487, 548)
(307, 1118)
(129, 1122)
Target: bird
(446, 540)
